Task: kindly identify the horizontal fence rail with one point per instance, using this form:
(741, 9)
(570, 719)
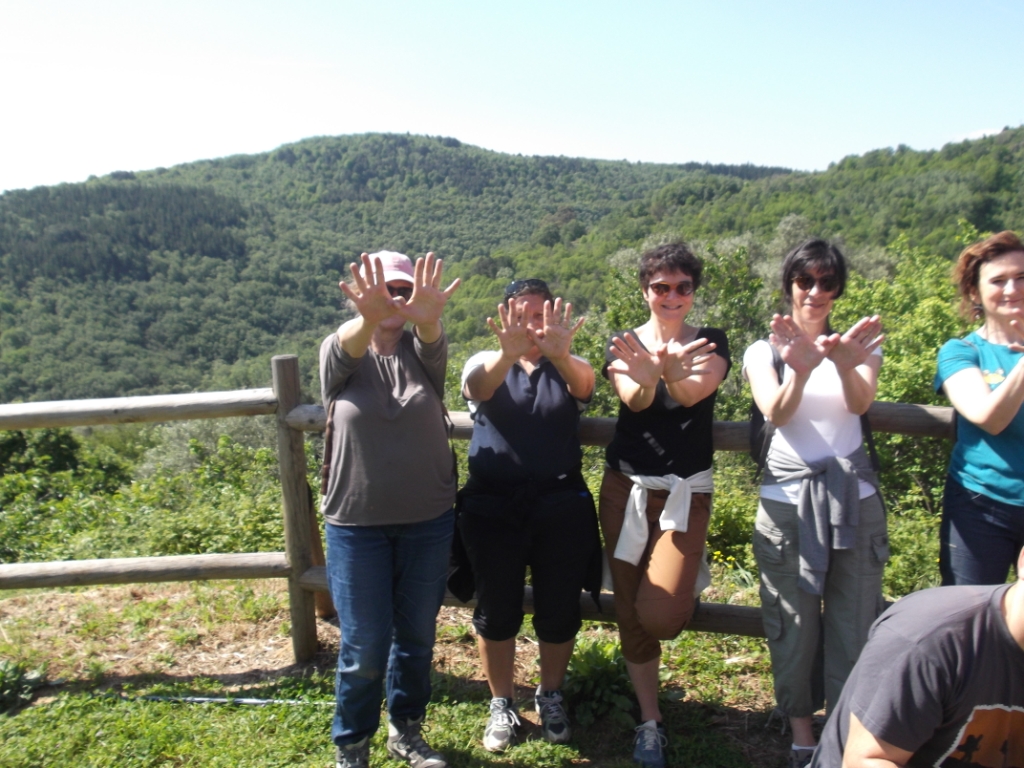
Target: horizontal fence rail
(302, 563)
(902, 418)
(134, 570)
(126, 410)
(709, 617)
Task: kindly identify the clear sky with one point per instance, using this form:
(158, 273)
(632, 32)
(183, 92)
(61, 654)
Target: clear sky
(104, 85)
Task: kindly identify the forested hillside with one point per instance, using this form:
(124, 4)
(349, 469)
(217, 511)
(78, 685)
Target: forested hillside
(191, 277)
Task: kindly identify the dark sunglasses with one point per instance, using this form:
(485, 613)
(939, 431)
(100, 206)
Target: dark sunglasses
(826, 283)
(405, 291)
(684, 288)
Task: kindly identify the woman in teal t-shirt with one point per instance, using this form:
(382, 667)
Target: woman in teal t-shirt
(983, 377)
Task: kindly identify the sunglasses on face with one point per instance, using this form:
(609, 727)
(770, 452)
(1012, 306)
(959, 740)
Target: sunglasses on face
(826, 283)
(405, 291)
(684, 288)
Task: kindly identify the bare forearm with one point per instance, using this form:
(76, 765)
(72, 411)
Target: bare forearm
(865, 750)
(869, 762)
(484, 381)
(687, 391)
(858, 392)
(787, 399)
(577, 374)
(355, 335)
(697, 386)
(990, 409)
(1005, 401)
(635, 396)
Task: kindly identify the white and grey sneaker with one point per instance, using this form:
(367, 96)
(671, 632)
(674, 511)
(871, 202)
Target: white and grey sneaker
(405, 742)
(500, 732)
(554, 720)
(353, 755)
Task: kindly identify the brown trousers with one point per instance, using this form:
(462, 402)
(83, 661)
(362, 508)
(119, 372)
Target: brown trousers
(654, 599)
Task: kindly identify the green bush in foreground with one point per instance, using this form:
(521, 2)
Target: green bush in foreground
(597, 684)
(16, 684)
(227, 499)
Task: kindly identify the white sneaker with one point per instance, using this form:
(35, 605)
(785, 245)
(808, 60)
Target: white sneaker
(500, 732)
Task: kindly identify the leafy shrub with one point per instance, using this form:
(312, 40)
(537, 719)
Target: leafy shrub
(16, 684)
(597, 683)
(734, 506)
(228, 501)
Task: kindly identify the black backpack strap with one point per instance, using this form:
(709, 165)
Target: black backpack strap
(325, 469)
(449, 426)
(869, 438)
(767, 428)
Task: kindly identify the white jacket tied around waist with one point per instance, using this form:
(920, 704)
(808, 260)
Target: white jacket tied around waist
(674, 517)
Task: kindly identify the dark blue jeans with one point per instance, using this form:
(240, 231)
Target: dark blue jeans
(387, 582)
(980, 537)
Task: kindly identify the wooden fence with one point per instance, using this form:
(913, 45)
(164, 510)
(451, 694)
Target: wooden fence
(302, 561)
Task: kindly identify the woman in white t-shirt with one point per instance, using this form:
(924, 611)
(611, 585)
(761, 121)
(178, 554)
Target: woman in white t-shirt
(820, 538)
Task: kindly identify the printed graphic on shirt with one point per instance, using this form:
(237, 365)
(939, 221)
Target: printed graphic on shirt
(993, 737)
(993, 378)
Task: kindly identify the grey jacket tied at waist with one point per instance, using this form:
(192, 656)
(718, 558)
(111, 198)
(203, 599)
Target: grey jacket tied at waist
(828, 510)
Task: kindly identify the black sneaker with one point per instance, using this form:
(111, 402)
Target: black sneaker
(553, 718)
(500, 732)
(405, 742)
(353, 755)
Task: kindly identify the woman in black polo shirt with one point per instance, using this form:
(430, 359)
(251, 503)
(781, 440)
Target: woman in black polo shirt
(526, 503)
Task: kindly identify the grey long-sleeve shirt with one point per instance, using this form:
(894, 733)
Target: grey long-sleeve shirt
(391, 463)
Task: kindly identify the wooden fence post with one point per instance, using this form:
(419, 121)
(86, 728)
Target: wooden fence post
(295, 496)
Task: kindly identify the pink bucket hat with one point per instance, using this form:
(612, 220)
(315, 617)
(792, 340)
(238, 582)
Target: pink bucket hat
(397, 266)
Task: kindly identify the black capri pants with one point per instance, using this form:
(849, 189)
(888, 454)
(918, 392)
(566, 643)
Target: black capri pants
(554, 532)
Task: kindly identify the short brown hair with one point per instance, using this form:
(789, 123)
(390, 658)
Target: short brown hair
(671, 257)
(968, 267)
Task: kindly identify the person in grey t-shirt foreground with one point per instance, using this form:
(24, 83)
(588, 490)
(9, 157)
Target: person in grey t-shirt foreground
(387, 501)
(939, 683)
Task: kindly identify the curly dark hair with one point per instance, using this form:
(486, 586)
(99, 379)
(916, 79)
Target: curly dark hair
(671, 257)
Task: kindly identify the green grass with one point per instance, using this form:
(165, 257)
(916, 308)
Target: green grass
(100, 730)
(716, 688)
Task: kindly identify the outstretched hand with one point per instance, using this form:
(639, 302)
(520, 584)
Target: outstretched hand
(685, 360)
(554, 340)
(798, 350)
(513, 335)
(427, 302)
(854, 346)
(645, 367)
(369, 291)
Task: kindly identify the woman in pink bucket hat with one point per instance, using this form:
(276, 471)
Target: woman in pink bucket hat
(387, 502)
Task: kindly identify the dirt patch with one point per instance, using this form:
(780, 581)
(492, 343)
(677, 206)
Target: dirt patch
(176, 630)
(235, 634)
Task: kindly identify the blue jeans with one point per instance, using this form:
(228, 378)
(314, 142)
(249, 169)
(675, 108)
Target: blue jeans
(980, 537)
(387, 582)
